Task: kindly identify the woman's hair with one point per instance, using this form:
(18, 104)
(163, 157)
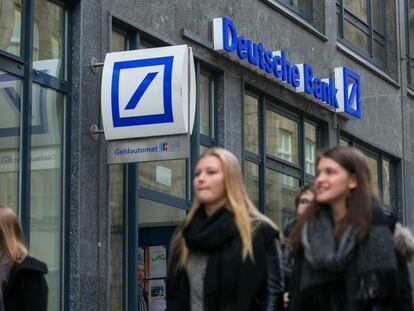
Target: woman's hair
(305, 188)
(358, 201)
(11, 236)
(238, 202)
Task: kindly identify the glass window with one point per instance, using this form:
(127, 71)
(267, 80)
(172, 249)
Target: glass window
(284, 172)
(203, 149)
(49, 38)
(10, 101)
(343, 142)
(378, 16)
(411, 26)
(151, 213)
(356, 36)
(281, 137)
(382, 169)
(145, 44)
(119, 41)
(280, 197)
(362, 25)
(116, 203)
(386, 182)
(310, 148)
(251, 177)
(164, 176)
(251, 128)
(410, 43)
(303, 7)
(373, 167)
(46, 185)
(358, 8)
(206, 105)
(10, 26)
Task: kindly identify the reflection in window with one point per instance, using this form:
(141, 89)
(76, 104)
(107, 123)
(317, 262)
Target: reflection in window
(119, 41)
(280, 200)
(358, 8)
(48, 38)
(203, 149)
(251, 125)
(303, 7)
(206, 105)
(251, 177)
(373, 167)
(10, 101)
(116, 202)
(363, 26)
(410, 50)
(151, 214)
(164, 176)
(46, 185)
(386, 182)
(10, 25)
(310, 148)
(343, 142)
(281, 137)
(145, 44)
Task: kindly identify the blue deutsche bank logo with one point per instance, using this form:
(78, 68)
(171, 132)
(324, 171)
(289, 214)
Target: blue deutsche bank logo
(14, 100)
(352, 93)
(133, 103)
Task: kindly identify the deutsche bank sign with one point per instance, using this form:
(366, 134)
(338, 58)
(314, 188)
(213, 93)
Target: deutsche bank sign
(342, 94)
(147, 93)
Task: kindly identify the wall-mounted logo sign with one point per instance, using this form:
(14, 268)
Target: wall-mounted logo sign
(148, 92)
(342, 94)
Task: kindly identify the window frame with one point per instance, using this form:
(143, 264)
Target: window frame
(266, 161)
(22, 67)
(342, 15)
(394, 207)
(298, 10)
(410, 59)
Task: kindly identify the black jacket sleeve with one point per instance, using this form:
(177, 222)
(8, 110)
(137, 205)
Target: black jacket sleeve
(273, 298)
(35, 292)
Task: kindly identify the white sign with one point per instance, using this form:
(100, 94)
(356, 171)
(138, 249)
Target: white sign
(149, 92)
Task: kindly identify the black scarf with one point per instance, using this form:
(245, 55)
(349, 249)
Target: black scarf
(217, 235)
(357, 275)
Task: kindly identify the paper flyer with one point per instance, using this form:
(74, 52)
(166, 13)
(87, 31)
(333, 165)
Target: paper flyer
(156, 262)
(157, 300)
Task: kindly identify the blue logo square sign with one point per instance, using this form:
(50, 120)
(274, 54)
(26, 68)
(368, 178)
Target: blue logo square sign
(165, 117)
(352, 93)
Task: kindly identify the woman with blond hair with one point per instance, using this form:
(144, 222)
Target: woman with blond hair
(22, 277)
(225, 255)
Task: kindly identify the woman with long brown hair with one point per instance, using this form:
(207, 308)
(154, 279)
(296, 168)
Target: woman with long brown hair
(22, 277)
(225, 254)
(343, 242)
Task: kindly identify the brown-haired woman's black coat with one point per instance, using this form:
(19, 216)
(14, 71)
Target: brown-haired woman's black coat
(27, 289)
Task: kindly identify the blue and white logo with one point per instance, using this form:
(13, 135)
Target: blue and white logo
(148, 92)
(153, 79)
(349, 91)
(342, 95)
(9, 85)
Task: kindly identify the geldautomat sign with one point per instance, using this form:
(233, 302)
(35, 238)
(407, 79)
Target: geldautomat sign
(341, 93)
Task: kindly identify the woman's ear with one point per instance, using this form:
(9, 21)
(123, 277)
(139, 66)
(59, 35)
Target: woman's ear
(353, 182)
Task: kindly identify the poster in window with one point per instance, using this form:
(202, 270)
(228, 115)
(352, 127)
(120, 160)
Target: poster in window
(156, 262)
(156, 289)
